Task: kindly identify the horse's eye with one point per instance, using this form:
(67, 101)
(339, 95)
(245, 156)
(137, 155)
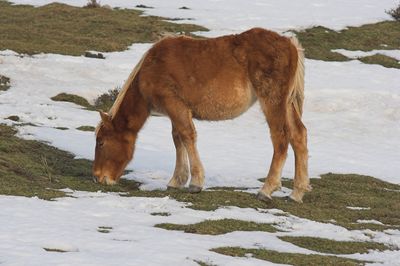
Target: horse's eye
(100, 143)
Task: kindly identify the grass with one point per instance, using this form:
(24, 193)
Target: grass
(328, 201)
(106, 100)
(295, 259)
(202, 263)
(86, 128)
(333, 193)
(104, 229)
(333, 247)
(382, 60)
(207, 200)
(103, 102)
(72, 98)
(55, 250)
(219, 227)
(62, 29)
(160, 214)
(320, 41)
(14, 118)
(31, 168)
(4, 82)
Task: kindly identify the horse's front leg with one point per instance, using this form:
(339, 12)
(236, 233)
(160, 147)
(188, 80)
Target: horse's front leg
(181, 173)
(181, 118)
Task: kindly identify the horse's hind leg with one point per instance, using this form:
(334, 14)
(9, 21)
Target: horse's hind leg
(181, 173)
(298, 141)
(279, 130)
(181, 118)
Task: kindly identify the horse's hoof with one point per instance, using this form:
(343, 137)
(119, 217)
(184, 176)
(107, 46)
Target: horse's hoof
(292, 199)
(261, 196)
(194, 189)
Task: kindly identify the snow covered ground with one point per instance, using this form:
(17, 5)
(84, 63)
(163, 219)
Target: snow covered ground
(71, 224)
(352, 111)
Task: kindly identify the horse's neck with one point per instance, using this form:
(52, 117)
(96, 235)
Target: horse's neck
(132, 112)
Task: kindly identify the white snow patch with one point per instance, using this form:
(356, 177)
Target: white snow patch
(369, 222)
(357, 54)
(72, 224)
(358, 208)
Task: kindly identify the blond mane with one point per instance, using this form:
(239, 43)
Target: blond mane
(121, 95)
(115, 107)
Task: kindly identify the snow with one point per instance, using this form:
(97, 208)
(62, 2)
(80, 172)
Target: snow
(369, 222)
(356, 54)
(72, 224)
(358, 208)
(352, 112)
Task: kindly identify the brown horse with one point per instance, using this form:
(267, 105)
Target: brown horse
(211, 79)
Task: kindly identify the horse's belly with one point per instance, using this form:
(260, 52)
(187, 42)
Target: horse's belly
(224, 103)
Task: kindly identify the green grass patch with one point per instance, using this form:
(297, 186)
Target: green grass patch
(72, 98)
(381, 59)
(333, 193)
(61, 128)
(86, 128)
(4, 82)
(333, 247)
(219, 227)
(328, 201)
(103, 102)
(320, 41)
(31, 168)
(295, 259)
(62, 29)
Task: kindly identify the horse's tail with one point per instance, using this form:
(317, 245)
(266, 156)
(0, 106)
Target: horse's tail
(126, 86)
(297, 89)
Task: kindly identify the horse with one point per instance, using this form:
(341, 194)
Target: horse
(211, 79)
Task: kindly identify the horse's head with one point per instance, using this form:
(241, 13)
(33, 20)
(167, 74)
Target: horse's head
(114, 150)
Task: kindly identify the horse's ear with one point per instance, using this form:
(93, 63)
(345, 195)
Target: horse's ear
(106, 119)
